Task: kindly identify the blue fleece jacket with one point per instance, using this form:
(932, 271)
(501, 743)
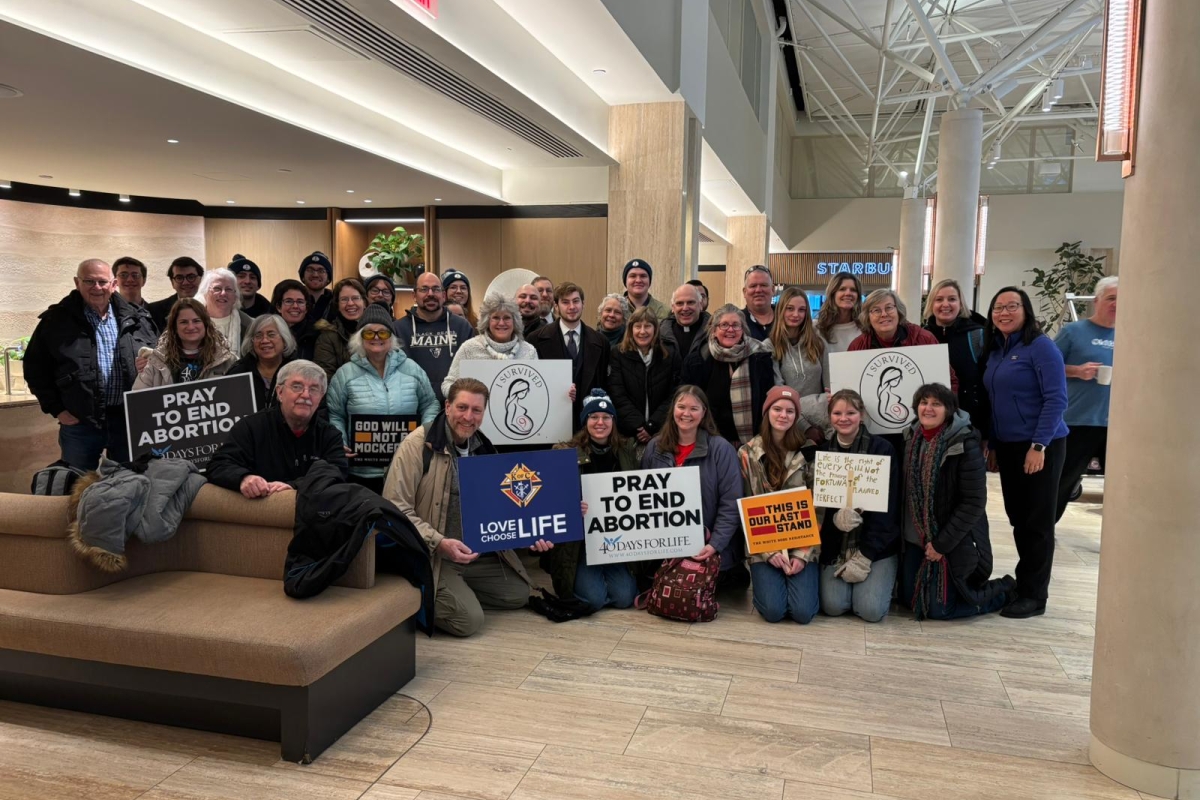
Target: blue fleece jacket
(1027, 389)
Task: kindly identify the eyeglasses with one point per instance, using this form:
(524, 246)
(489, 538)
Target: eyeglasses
(879, 311)
(382, 335)
(315, 271)
(221, 290)
(293, 303)
(95, 283)
(265, 335)
(1011, 308)
(345, 301)
(729, 326)
(378, 291)
(428, 290)
(128, 276)
(295, 387)
(189, 278)
(758, 268)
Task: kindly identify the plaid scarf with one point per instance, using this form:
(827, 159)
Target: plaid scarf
(740, 394)
(924, 463)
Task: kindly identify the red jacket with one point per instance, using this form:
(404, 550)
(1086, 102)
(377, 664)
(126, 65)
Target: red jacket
(907, 335)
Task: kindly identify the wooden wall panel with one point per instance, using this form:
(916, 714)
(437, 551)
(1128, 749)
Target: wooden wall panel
(276, 245)
(813, 270)
(352, 239)
(748, 239)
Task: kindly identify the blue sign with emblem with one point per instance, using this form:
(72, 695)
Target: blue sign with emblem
(517, 499)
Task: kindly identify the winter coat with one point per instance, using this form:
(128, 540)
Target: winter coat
(305, 334)
(960, 509)
(879, 535)
(479, 347)
(807, 378)
(421, 489)
(331, 348)
(907, 335)
(564, 559)
(114, 503)
(593, 361)
(357, 389)
(60, 362)
(754, 482)
(262, 444)
(260, 306)
(698, 370)
(1026, 390)
(658, 307)
(433, 345)
(964, 340)
(631, 382)
(720, 488)
(673, 335)
(334, 520)
(264, 393)
(157, 371)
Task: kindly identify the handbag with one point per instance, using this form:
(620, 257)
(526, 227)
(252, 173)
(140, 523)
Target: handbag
(684, 589)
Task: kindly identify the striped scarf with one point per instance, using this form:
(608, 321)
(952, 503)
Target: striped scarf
(924, 460)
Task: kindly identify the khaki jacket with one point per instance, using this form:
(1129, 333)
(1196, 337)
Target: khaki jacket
(424, 497)
(754, 481)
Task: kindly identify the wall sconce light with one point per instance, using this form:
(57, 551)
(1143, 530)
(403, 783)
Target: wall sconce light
(1120, 69)
(927, 249)
(981, 235)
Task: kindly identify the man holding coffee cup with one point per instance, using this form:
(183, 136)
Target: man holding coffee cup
(1087, 348)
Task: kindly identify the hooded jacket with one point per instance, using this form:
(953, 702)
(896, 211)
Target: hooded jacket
(631, 382)
(158, 372)
(433, 345)
(262, 444)
(357, 389)
(60, 363)
(960, 510)
(879, 535)
(964, 340)
(334, 520)
(754, 482)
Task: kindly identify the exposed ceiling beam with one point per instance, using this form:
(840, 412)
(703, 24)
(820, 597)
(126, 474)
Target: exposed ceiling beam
(935, 43)
(1042, 31)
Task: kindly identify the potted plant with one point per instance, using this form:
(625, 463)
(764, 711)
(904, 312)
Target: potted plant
(1074, 273)
(397, 255)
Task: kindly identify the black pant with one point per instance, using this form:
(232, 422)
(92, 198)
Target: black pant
(1084, 443)
(1029, 501)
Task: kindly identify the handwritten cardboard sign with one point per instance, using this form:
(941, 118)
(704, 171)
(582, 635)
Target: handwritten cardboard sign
(836, 475)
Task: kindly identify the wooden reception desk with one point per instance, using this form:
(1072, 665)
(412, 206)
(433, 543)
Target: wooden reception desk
(28, 440)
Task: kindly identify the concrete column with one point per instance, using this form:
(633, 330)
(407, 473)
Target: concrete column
(653, 193)
(1145, 716)
(912, 245)
(749, 238)
(957, 197)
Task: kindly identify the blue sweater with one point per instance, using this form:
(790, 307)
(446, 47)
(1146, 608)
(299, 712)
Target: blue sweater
(1027, 388)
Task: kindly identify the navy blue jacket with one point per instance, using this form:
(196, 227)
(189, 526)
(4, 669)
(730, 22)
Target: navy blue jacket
(1027, 390)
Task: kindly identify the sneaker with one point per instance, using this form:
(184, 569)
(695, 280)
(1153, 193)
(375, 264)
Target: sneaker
(1024, 608)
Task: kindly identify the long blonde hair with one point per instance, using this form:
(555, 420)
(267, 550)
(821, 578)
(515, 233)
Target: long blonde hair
(810, 343)
(947, 283)
(829, 310)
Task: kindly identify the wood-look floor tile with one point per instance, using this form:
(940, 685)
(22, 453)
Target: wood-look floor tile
(966, 651)
(423, 689)
(1055, 737)
(667, 687)
(708, 655)
(919, 772)
(382, 791)
(1077, 664)
(849, 711)
(1049, 695)
(795, 790)
(208, 779)
(562, 773)
(604, 725)
(525, 631)
(481, 767)
(365, 751)
(783, 751)
(903, 677)
(825, 634)
(635, 619)
(451, 659)
(1048, 630)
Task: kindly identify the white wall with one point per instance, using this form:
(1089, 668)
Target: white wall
(846, 224)
(713, 253)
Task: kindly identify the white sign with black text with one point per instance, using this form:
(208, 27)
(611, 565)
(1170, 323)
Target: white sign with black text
(528, 400)
(887, 380)
(860, 478)
(642, 515)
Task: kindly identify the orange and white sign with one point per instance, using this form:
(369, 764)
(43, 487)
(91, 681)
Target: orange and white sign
(779, 521)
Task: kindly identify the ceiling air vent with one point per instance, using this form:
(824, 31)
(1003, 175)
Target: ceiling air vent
(384, 47)
(704, 237)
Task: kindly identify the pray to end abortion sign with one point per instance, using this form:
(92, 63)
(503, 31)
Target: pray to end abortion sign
(187, 420)
(643, 514)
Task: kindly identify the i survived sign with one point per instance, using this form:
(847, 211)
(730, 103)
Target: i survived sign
(187, 420)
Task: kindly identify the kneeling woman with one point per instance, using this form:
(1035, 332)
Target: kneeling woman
(947, 554)
(859, 550)
(786, 582)
(601, 449)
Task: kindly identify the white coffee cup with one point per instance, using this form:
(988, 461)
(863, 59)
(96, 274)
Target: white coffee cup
(1104, 375)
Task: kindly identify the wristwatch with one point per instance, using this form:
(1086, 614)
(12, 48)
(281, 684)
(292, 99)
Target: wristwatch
(1039, 448)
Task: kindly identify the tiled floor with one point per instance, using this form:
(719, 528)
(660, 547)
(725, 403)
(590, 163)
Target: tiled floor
(625, 706)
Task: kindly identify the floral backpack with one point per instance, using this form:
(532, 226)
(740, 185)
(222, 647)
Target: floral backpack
(684, 589)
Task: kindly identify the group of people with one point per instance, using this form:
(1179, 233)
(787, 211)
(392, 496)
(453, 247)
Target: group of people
(740, 392)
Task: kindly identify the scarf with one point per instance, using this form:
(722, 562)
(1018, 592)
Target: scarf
(501, 350)
(924, 463)
(740, 394)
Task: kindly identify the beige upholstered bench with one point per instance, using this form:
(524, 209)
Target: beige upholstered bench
(197, 631)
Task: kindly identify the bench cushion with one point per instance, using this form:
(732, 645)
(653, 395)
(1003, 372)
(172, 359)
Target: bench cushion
(208, 624)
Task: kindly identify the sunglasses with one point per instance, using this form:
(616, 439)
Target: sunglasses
(371, 336)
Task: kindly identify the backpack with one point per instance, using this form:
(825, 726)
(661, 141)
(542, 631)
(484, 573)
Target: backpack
(684, 589)
(56, 480)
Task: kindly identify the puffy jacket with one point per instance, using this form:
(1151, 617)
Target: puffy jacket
(631, 382)
(960, 510)
(60, 363)
(157, 371)
(964, 340)
(754, 482)
(720, 489)
(332, 346)
(357, 389)
(1026, 389)
(879, 535)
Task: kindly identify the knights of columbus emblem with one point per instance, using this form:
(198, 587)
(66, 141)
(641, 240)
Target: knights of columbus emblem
(521, 485)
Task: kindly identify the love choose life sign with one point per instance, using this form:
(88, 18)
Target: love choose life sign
(187, 420)
(861, 479)
(517, 499)
(643, 514)
(779, 521)
(375, 437)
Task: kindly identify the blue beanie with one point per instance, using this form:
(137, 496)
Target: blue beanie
(637, 263)
(240, 264)
(320, 258)
(452, 276)
(597, 402)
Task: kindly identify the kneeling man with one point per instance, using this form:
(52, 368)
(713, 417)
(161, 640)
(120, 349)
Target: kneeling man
(423, 483)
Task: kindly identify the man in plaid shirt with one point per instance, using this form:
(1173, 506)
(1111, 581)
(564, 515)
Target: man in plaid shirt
(81, 361)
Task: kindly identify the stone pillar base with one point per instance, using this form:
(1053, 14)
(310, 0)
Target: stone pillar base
(1153, 779)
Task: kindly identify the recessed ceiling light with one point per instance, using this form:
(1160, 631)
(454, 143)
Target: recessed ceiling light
(299, 202)
(349, 191)
(123, 198)
(172, 141)
(903, 173)
(231, 202)
(45, 176)
(437, 199)
(73, 192)
(599, 71)
(5, 184)
(733, 211)
(368, 201)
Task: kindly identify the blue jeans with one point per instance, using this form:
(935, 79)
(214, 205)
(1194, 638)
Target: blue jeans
(777, 595)
(82, 444)
(870, 599)
(955, 606)
(605, 585)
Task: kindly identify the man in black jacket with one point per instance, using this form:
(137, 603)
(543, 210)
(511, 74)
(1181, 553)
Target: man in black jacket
(687, 326)
(270, 451)
(185, 273)
(567, 337)
(80, 363)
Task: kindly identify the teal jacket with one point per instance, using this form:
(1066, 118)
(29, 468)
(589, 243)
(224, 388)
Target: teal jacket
(356, 388)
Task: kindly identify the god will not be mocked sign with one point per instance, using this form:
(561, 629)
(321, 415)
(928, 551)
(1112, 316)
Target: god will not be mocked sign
(852, 480)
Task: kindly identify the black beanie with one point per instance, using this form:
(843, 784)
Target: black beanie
(317, 257)
(452, 276)
(376, 314)
(639, 264)
(381, 277)
(240, 264)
